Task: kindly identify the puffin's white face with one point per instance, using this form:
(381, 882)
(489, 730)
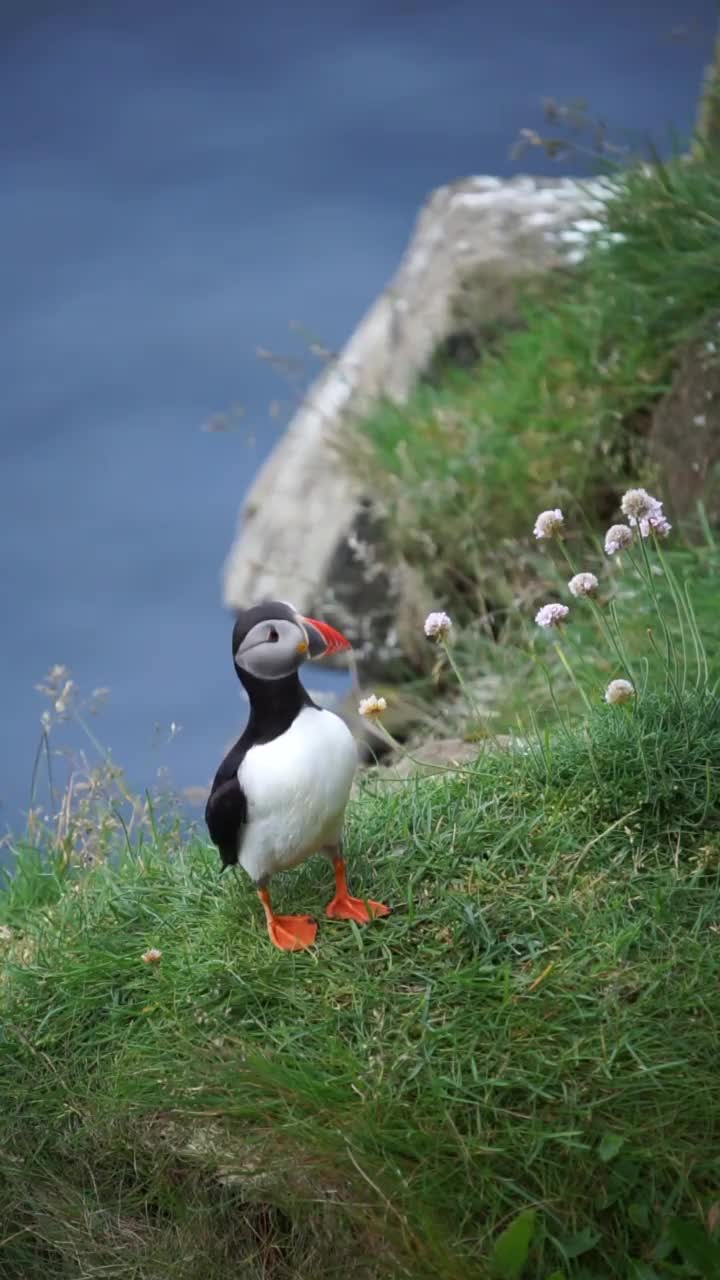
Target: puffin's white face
(271, 641)
(272, 649)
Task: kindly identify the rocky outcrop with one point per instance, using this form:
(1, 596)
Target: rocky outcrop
(684, 437)
(305, 528)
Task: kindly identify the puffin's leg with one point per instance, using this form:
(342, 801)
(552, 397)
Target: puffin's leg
(343, 906)
(289, 933)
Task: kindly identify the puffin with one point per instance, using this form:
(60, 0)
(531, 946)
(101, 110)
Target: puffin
(280, 794)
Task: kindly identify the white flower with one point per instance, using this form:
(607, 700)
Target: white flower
(437, 626)
(617, 538)
(46, 721)
(638, 504)
(551, 615)
(657, 524)
(372, 706)
(583, 584)
(549, 523)
(153, 956)
(619, 691)
(645, 513)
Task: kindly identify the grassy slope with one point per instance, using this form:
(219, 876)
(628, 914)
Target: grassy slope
(557, 412)
(549, 982)
(535, 1025)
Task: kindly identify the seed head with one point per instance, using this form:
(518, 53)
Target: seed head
(68, 693)
(153, 956)
(619, 691)
(551, 615)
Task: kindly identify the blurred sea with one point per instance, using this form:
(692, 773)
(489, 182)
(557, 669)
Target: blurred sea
(181, 184)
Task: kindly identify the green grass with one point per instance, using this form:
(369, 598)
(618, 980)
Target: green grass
(556, 412)
(516, 1073)
(535, 1026)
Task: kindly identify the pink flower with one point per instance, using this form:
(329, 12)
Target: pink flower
(549, 523)
(583, 584)
(645, 513)
(638, 504)
(551, 615)
(153, 956)
(437, 626)
(617, 538)
(657, 524)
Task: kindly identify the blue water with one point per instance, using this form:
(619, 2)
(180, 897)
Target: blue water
(180, 184)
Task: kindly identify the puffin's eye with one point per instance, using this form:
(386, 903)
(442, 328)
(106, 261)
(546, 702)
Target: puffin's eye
(273, 636)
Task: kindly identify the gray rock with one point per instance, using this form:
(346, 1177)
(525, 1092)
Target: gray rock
(684, 438)
(306, 531)
(437, 755)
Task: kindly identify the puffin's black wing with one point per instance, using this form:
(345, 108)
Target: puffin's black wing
(226, 809)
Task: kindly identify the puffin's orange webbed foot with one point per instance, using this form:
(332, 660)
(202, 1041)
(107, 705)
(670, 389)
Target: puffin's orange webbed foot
(288, 933)
(292, 933)
(345, 907)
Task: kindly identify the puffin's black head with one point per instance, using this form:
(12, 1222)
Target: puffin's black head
(271, 640)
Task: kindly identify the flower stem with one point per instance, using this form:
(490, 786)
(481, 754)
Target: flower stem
(670, 654)
(567, 557)
(685, 616)
(601, 620)
(105, 756)
(480, 720)
(614, 636)
(392, 741)
(563, 658)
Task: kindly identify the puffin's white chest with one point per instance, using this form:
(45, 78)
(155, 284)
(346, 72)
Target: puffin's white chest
(297, 788)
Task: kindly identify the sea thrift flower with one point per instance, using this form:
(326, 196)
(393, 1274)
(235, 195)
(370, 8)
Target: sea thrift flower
(583, 584)
(549, 523)
(153, 956)
(657, 524)
(617, 538)
(372, 706)
(437, 626)
(551, 615)
(638, 504)
(619, 691)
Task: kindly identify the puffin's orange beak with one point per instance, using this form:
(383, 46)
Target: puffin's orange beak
(323, 639)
